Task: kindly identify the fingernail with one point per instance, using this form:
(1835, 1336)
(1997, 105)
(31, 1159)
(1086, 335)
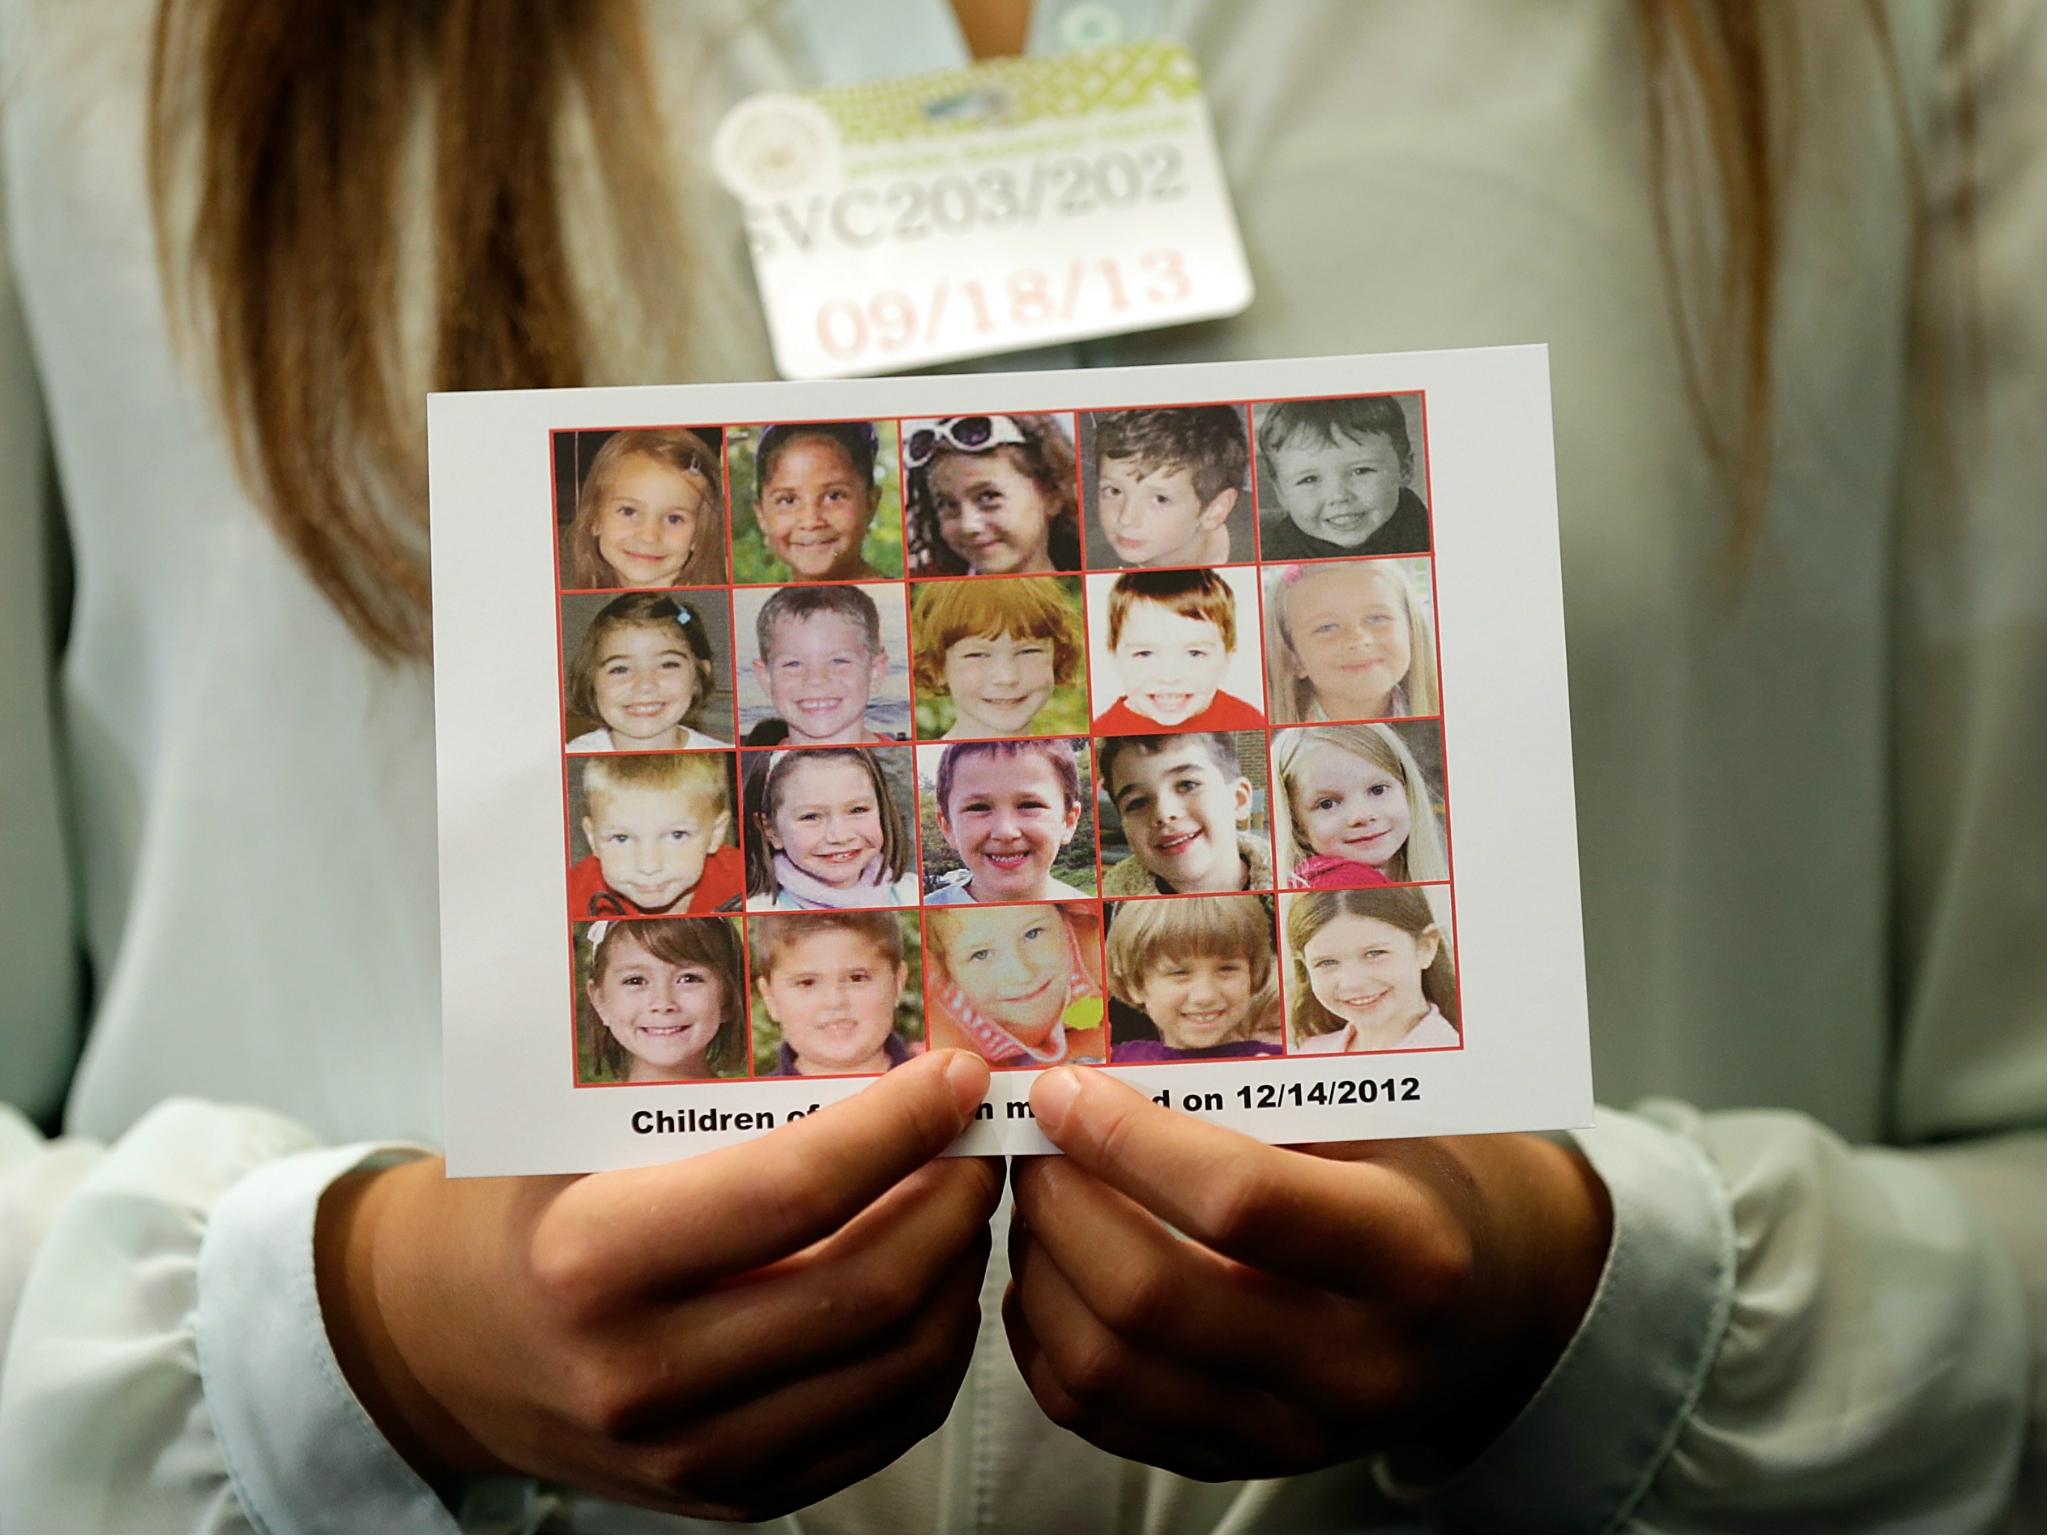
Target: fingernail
(967, 1076)
(1052, 1096)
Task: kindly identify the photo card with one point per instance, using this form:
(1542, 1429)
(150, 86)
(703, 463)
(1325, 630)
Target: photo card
(1114, 718)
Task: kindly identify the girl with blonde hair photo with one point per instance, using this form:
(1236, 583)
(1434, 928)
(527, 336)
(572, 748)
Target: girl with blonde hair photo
(1348, 640)
(1353, 808)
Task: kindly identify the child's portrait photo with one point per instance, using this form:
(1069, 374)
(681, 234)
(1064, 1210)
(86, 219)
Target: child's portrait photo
(659, 1000)
(1167, 486)
(1006, 821)
(835, 994)
(640, 507)
(1007, 656)
(1175, 651)
(1341, 477)
(830, 665)
(1183, 812)
(830, 828)
(653, 834)
(1193, 980)
(1360, 805)
(1351, 640)
(1022, 985)
(815, 501)
(992, 495)
(1370, 969)
(647, 671)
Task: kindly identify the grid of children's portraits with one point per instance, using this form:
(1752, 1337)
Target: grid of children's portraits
(1097, 737)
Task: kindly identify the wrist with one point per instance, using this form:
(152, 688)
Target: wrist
(1562, 1224)
(360, 1252)
(1552, 1223)
(1582, 1224)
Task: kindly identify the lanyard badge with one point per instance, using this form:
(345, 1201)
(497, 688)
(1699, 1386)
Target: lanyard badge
(1019, 203)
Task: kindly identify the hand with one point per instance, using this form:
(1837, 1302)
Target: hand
(729, 1337)
(1326, 1303)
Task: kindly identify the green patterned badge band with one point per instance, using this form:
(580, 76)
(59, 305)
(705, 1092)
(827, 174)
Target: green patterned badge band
(1011, 93)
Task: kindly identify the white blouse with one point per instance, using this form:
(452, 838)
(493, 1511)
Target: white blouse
(1810, 799)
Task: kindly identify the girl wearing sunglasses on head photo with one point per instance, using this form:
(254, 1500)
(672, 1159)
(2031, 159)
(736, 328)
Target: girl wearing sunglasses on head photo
(991, 495)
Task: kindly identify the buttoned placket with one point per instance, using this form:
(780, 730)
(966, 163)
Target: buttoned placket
(850, 42)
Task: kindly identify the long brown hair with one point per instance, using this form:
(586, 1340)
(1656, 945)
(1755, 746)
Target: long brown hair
(282, 250)
(298, 120)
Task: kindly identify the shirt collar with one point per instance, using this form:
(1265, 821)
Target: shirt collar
(849, 41)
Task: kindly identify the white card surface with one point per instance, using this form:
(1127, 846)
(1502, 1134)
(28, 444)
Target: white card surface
(1426, 960)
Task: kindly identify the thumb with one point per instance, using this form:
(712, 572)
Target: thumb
(695, 1222)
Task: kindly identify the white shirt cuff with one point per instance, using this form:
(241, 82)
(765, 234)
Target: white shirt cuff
(302, 1453)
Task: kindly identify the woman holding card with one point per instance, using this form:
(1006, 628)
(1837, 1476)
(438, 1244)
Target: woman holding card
(1802, 547)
